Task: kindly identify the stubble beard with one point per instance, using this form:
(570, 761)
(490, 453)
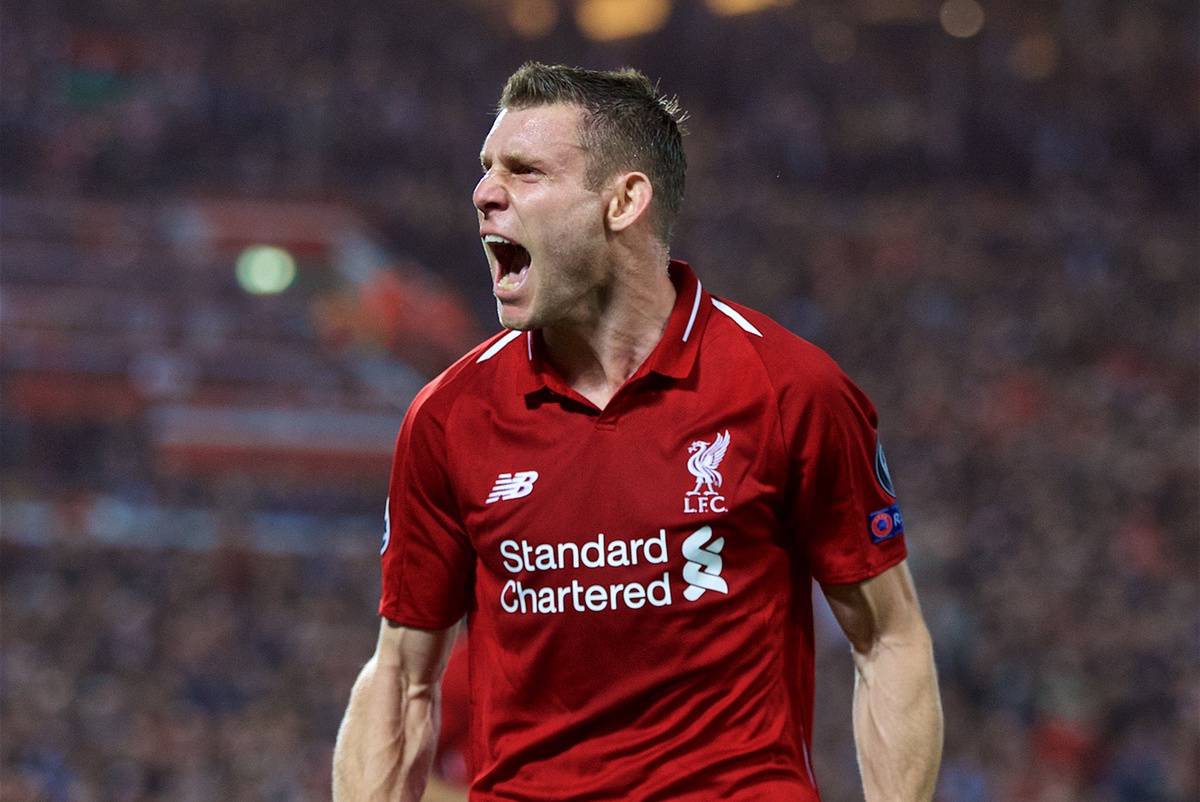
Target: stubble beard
(561, 295)
(526, 325)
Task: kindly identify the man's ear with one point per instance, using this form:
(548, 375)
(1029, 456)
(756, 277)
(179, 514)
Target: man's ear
(630, 202)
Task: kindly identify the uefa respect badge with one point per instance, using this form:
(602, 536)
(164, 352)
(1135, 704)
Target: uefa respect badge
(885, 524)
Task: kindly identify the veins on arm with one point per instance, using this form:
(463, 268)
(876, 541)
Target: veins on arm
(881, 608)
(897, 713)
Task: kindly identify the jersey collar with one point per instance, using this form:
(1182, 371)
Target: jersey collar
(673, 357)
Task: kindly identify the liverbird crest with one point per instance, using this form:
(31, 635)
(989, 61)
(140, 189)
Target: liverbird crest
(704, 462)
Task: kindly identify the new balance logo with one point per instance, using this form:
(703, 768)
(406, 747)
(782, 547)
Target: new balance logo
(702, 571)
(512, 485)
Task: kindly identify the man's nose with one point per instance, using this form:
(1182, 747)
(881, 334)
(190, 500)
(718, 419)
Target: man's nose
(489, 195)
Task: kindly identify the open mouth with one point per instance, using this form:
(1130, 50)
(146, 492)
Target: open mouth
(512, 261)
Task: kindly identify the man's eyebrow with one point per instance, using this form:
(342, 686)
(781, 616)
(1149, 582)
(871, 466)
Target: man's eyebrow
(512, 157)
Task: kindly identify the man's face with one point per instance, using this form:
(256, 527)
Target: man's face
(542, 229)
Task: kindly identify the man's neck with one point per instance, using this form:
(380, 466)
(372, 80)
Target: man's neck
(599, 354)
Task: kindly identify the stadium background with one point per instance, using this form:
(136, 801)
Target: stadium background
(237, 237)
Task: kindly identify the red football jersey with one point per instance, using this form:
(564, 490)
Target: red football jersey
(637, 580)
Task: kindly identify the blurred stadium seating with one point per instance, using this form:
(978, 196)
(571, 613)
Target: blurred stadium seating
(987, 212)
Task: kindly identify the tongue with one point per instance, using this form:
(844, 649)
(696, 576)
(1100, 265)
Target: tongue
(512, 281)
(514, 269)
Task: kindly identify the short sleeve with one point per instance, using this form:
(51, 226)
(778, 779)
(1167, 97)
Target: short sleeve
(427, 559)
(843, 504)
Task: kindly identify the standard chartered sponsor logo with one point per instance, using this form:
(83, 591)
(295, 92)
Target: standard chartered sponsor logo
(701, 571)
(703, 568)
(600, 552)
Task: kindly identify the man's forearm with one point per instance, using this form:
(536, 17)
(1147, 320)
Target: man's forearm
(898, 718)
(386, 743)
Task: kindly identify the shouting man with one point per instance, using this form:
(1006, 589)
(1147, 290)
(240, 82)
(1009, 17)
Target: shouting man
(628, 493)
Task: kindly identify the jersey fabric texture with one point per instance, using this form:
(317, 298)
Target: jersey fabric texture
(637, 579)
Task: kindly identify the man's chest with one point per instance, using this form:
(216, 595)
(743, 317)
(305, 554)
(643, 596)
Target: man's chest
(553, 496)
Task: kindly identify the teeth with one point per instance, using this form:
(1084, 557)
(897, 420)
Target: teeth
(496, 239)
(509, 281)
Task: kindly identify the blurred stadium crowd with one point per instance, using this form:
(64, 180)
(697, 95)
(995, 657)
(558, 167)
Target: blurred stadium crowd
(994, 234)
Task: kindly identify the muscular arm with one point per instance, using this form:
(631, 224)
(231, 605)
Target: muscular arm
(386, 743)
(897, 711)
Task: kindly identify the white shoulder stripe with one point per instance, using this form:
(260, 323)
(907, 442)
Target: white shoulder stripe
(695, 308)
(736, 317)
(497, 346)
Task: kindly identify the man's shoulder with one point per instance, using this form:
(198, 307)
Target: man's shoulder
(471, 374)
(790, 361)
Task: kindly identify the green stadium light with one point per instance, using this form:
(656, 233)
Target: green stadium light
(265, 270)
